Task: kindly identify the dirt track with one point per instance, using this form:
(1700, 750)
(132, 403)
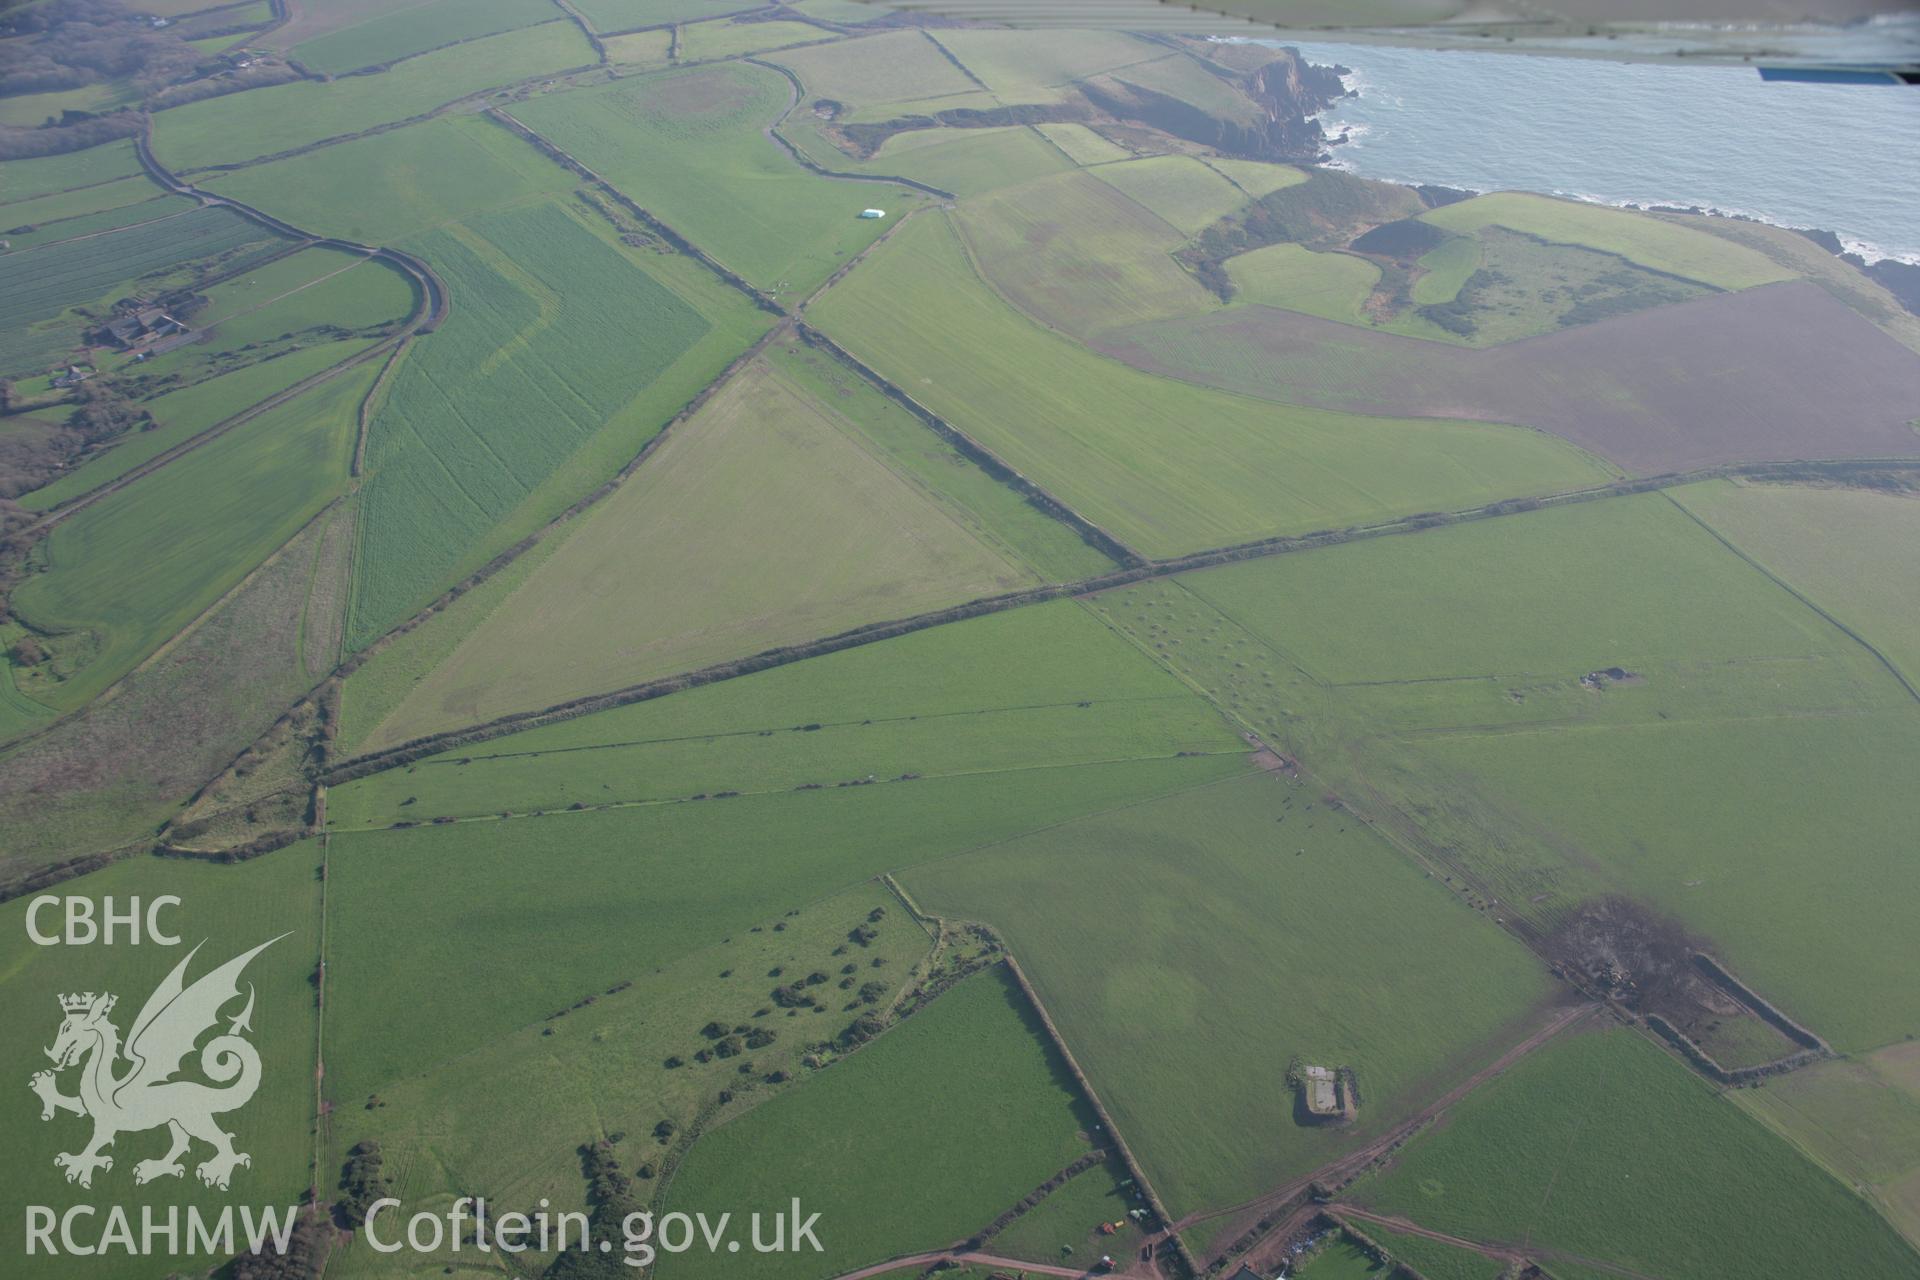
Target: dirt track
(1245, 1215)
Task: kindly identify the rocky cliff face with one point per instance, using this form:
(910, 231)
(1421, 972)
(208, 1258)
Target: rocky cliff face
(1284, 93)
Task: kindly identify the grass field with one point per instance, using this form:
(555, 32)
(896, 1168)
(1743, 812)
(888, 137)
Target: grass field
(1860, 1120)
(1082, 145)
(888, 1169)
(1847, 550)
(1076, 255)
(181, 415)
(108, 777)
(415, 29)
(1445, 269)
(45, 175)
(1019, 68)
(615, 1080)
(127, 573)
(57, 206)
(1181, 190)
(730, 39)
(626, 15)
(233, 909)
(641, 48)
(582, 342)
(1163, 466)
(1753, 731)
(995, 512)
(1434, 1260)
(761, 521)
(265, 122)
(1603, 1146)
(1333, 285)
(428, 175)
(1256, 177)
(967, 162)
(1070, 1217)
(1186, 1023)
(688, 146)
(897, 66)
(575, 902)
(1652, 242)
(1026, 689)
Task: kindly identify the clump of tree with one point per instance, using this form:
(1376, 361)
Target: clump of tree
(304, 1259)
(610, 1199)
(362, 1181)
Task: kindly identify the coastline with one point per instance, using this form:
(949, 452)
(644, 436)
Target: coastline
(1630, 136)
(1897, 271)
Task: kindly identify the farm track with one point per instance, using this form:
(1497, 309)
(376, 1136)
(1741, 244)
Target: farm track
(1497, 1252)
(1347, 1167)
(913, 1260)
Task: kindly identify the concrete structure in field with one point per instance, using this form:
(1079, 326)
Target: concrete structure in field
(1322, 1091)
(873, 213)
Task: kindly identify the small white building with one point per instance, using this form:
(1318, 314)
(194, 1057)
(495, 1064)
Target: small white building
(873, 213)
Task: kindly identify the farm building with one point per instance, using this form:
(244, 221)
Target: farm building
(873, 213)
(1322, 1091)
(136, 329)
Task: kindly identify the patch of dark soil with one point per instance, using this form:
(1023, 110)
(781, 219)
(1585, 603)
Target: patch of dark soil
(1782, 372)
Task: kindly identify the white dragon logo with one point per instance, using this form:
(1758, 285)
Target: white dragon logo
(147, 1096)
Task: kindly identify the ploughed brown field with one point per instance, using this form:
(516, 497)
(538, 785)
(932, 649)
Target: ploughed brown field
(1783, 372)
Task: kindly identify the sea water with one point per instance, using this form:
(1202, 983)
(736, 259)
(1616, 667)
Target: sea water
(1841, 158)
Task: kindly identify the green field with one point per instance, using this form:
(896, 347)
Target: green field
(1082, 145)
(1860, 1120)
(1018, 68)
(1071, 1216)
(1187, 1019)
(888, 1172)
(896, 66)
(128, 572)
(1445, 269)
(581, 342)
(626, 15)
(428, 175)
(415, 29)
(180, 415)
(1333, 285)
(45, 175)
(967, 162)
(267, 122)
(232, 909)
(1183, 191)
(57, 206)
(574, 902)
(1022, 690)
(1651, 242)
(687, 145)
(1751, 731)
(1078, 256)
(1163, 466)
(1434, 1260)
(1602, 1146)
(1255, 177)
(765, 490)
(1847, 550)
(731, 39)
(616, 1081)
